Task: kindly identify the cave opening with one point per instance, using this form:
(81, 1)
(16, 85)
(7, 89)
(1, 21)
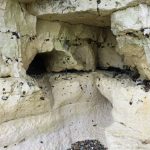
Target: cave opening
(38, 65)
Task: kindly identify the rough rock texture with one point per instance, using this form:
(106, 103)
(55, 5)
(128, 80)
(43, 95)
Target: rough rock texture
(74, 46)
(107, 55)
(69, 73)
(79, 114)
(77, 11)
(21, 97)
(131, 26)
(131, 113)
(16, 28)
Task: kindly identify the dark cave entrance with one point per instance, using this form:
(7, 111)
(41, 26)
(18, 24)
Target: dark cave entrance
(45, 62)
(38, 65)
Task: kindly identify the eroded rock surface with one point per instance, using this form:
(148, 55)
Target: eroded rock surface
(73, 46)
(77, 11)
(74, 70)
(131, 26)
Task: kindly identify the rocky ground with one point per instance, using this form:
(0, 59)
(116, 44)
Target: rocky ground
(87, 145)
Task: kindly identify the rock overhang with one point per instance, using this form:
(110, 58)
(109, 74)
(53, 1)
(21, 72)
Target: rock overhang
(76, 12)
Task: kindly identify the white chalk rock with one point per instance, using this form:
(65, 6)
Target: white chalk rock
(16, 28)
(97, 11)
(67, 46)
(82, 116)
(131, 19)
(130, 111)
(135, 52)
(20, 97)
(131, 26)
(54, 110)
(107, 55)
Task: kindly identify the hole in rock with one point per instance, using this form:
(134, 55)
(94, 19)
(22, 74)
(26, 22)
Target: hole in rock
(55, 61)
(37, 66)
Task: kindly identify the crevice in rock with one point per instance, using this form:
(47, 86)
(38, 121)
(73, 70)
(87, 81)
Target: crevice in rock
(42, 62)
(37, 66)
(98, 11)
(130, 72)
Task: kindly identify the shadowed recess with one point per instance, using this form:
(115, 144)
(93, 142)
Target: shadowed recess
(37, 66)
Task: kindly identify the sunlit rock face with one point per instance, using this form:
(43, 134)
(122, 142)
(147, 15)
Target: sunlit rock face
(72, 46)
(77, 11)
(74, 70)
(17, 26)
(130, 112)
(131, 26)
